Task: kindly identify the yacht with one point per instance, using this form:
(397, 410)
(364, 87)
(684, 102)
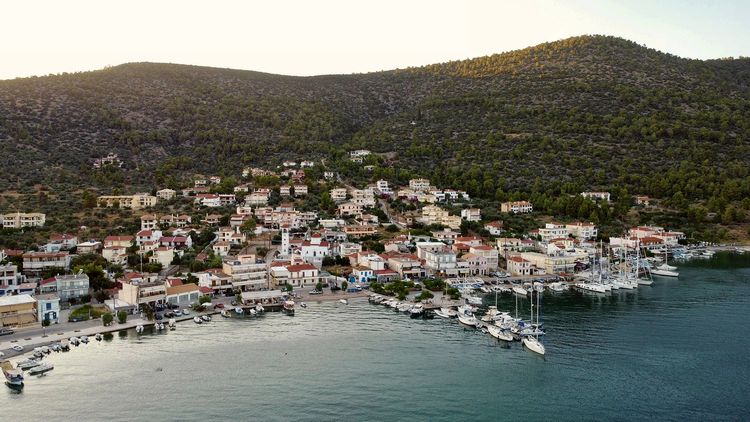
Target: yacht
(645, 282)
(664, 273)
(520, 291)
(499, 333)
(591, 287)
(490, 315)
(533, 344)
(473, 300)
(41, 369)
(13, 376)
(468, 320)
(666, 267)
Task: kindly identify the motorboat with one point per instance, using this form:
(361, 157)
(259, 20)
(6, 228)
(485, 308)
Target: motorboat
(224, 313)
(239, 310)
(592, 287)
(253, 312)
(533, 344)
(172, 322)
(139, 328)
(520, 291)
(467, 309)
(84, 339)
(664, 273)
(74, 341)
(442, 313)
(499, 333)
(645, 282)
(27, 364)
(259, 308)
(57, 347)
(13, 376)
(473, 300)
(303, 304)
(98, 337)
(344, 301)
(557, 287)
(41, 369)
(288, 307)
(205, 318)
(64, 345)
(197, 320)
(416, 311)
(404, 307)
(46, 350)
(490, 315)
(468, 320)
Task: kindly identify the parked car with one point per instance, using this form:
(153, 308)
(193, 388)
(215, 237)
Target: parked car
(17, 348)
(219, 305)
(315, 292)
(177, 312)
(6, 331)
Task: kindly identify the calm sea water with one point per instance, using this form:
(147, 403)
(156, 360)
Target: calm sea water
(677, 350)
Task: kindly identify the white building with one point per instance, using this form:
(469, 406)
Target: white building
(419, 185)
(48, 307)
(517, 207)
(18, 220)
(597, 196)
(471, 214)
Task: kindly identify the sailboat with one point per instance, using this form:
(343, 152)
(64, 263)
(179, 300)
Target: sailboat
(532, 342)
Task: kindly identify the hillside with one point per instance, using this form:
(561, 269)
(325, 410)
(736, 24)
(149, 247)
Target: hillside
(582, 113)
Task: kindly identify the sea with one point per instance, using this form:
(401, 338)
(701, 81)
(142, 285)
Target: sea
(676, 350)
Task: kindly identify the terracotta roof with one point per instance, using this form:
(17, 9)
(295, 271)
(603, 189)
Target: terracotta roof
(185, 288)
(205, 290)
(300, 267)
(118, 238)
(483, 248)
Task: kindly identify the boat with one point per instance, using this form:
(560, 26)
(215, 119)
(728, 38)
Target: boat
(224, 313)
(84, 339)
(259, 308)
(253, 312)
(41, 369)
(172, 322)
(558, 287)
(499, 333)
(533, 344)
(288, 307)
(46, 350)
(303, 304)
(57, 347)
(442, 313)
(239, 310)
(64, 345)
(416, 311)
(197, 320)
(206, 318)
(139, 328)
(645, 282)
(664, 273)
(473, 300)
(468, 320)
(74, 341)
(27, 364)
(13, 376)
(98, 337)
(591, 287)
(344, 301)
(490, 315)
(404, 307)
(666, 267)
(520, 291)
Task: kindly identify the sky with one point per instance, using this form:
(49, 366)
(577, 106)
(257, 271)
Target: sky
(343, 36)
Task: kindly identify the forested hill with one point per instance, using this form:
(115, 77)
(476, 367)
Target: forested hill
(585, 112)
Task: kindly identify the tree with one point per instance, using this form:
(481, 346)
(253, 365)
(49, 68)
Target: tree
(122, 317)
(248, 227)
(319, 286)
(107, 319)
(288, 287)
(204, 299)
(344, 285)
(45, 323)
(101, 296)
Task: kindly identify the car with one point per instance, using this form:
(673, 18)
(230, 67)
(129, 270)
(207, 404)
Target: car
(168, 314)
(177, 312)
(2, 354)
(315, 292)
(219, 305)
(185, 312)
(17, 348)
(159, 317)
(6, 331)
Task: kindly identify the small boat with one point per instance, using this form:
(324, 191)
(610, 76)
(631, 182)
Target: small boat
(558, 287)
(13, 376)
(64, 345)
(533, 344)
(468, 320)
(520, 291)
(74, 341)
(303, 304)
(259, 308)
(666, 267)
(499, 333)
(404, 307)
(205, 318)
(84, 339)
(139, 328)
(27, 364)
(288, 307)
(253, 312)
(645, 282)
(41, 369)
(224, 313)
(665, 273)
(416, 311)
(46, 350)
(446, 313)
(197, 320)
(57, 347)
(490, 315)
(239, 310)
(344, 301)
(592, 287)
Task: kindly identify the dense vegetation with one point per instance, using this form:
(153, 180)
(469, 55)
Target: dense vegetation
(588, 112)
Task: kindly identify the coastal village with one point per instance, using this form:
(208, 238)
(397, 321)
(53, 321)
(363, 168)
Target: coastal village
(255, 245)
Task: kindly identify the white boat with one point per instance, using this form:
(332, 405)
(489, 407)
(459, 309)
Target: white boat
(13, 376)
(645, 282)
(558, 287)
(64, 345)
(288, 307)
(666, 267)
(259, 308)
(664, 273)
(74, 341)
(98, 337)
(239, 310)
(57, 347)
(46, 350)
(473, 300)
(404, 307)
(490, 315)
(206, 318)
(344, 301)
(303, 304)
(441, 313)
(172, 322)
(533, 344)
(27, 364)
(84, 339)
(591, 287)
(197, 320)
(40, 369)
(416, 311)
(520, 291)
(138, 329)
(468, 320)
(499, 333)
(224, 313)
(253, 312)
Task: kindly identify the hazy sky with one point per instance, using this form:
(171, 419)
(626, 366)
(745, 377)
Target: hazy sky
(315, 37)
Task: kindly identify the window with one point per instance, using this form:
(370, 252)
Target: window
(48, 306)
